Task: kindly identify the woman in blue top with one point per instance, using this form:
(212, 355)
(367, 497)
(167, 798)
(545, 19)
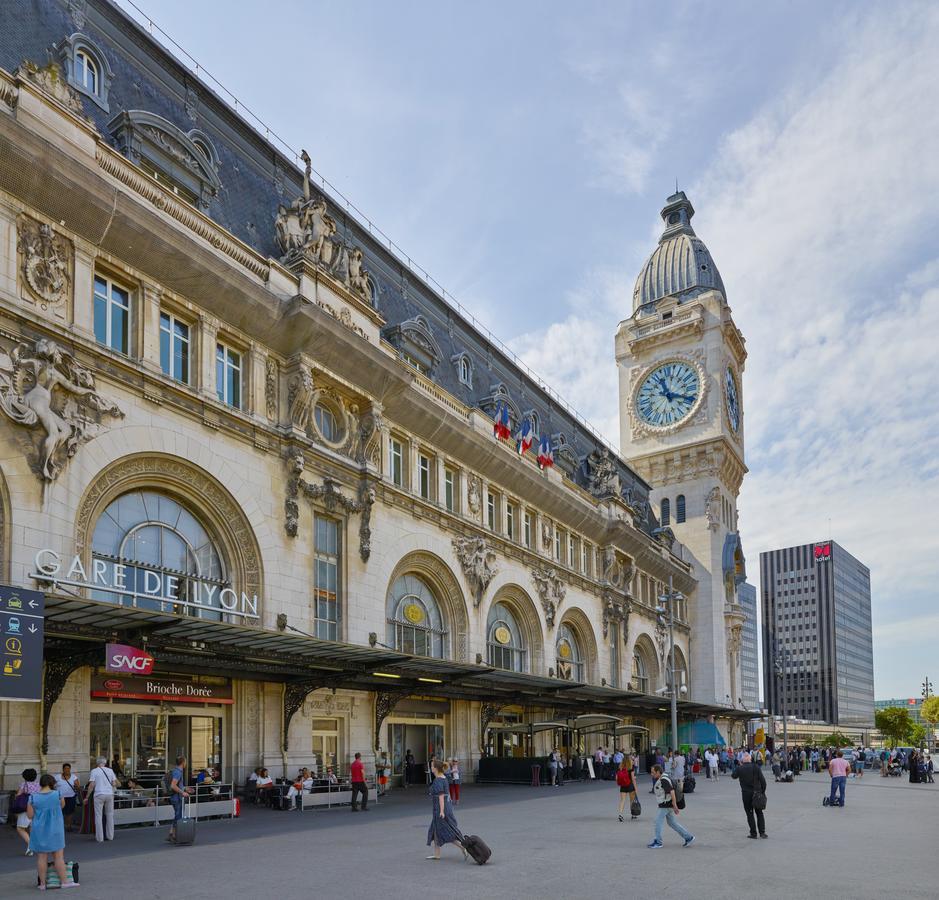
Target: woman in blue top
(443, 827)
(47, 831)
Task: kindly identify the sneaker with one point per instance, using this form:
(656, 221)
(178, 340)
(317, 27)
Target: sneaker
(621, 818)
(689, 842)
(655, 845)
(764, 835)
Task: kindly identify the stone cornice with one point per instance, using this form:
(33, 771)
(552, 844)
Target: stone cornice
(716, 458)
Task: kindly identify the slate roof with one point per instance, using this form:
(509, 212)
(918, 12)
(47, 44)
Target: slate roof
(256, 177)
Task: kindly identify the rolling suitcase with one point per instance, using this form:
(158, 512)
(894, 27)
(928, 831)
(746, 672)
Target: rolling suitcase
(690, 784)
(477, 848)
(186, 826)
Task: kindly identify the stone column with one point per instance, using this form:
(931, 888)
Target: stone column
(83, 291)
(208, 337)
(149, 326)
(414, 479)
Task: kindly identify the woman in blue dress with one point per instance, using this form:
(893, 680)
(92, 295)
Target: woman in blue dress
(443, 827)
(47, 831)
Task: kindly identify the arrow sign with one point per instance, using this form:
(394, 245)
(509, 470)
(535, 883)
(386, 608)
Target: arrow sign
(21, 643)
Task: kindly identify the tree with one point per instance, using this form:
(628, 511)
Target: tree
(893, 723)
(929, 712)
(917, 734)
(836, 739)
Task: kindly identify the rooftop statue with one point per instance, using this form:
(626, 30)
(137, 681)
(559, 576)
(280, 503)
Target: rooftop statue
(306, 231)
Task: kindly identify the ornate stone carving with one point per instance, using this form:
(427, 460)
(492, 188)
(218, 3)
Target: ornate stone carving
(604, 479)
(46, 262)
(661, 638)
(57, 672)
(300, 399)
(306, 232)
(295, 693)
(42, 386)
(185, 477)
(712, 511)
(369, 437)
(474, 495)
(551, 591)
(617, 574)
(344, 316)
(545, 534)
(415, 339)
(478, 562)
(270, 388)
(366, 500)
(49, 79)
(487, 712)
(385, 702)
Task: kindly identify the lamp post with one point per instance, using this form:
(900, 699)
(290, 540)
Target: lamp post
(667, 604)
(781, 657)
(927, 693)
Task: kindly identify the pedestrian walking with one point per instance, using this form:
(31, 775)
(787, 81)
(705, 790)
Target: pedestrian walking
(667, 804)
(553, 767)
(28, 787)
(838, 772)
(47, 831)
(101, 781)
(455, 778)
(381, 772)
(627, 786)
(178, 793)
(69, 788)
(443, 825)
(359, 787)
(752, 785)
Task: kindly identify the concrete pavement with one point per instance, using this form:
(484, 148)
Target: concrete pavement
(547, 843)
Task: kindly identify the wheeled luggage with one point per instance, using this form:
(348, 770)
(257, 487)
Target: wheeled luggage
(186, 826)
(635, 808)
(477, 848)
(690, 784)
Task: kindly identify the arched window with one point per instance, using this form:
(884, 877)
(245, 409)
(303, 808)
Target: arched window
(639, 676)
(681, 670)
(326, 422)
(506, 649)
(465, 372)
(415, 624)
(535, 424)
(680, 509)
(159, 552)
(86, 71)
(666, 512)
(569, 660)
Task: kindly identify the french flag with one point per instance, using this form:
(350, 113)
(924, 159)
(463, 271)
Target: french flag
(525, 438)
(500, 424)
(545, 454)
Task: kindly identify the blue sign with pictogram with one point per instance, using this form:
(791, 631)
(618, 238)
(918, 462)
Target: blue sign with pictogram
(22, 615)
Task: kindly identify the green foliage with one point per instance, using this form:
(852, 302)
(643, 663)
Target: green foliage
(893, 723)
(836, 739)
(930, 711)
(917, 734)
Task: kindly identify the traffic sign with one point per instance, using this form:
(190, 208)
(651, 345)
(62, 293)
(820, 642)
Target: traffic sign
(22, 616)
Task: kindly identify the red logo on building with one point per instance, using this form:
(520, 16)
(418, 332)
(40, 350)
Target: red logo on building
(122, 658)
(112, 684)
(822, 552)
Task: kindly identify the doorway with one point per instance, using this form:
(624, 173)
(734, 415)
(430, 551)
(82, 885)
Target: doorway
(423, 741)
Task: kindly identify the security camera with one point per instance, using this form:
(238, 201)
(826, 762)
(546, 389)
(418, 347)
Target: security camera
(683, 689)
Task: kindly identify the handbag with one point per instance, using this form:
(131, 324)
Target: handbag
(759, 799)
(20, 803)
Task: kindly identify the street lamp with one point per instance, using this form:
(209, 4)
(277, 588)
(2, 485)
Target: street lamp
(667, 604)
(781, 659)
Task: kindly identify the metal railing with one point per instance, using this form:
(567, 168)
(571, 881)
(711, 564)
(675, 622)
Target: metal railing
(143, 806)
(254, 121)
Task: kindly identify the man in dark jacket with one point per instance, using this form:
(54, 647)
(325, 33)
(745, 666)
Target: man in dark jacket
(751, 779)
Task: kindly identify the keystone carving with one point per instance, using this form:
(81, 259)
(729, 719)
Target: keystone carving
(551, 591)
(46, 262)
(478, 563)
(604, 480)
(306, 232)
(615, 612)
(42, 387)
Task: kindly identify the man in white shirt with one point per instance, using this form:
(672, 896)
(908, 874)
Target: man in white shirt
(102, 779)
(712, 760)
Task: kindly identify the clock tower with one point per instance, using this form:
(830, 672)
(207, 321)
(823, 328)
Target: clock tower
(680, 359)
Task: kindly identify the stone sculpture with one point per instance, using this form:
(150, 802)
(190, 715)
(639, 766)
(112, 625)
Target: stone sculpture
(551, 591)
(46, 262)
(478, 562)
(604, 479)
(43, 387)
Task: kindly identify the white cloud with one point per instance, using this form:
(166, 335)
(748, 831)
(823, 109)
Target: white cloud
(817, 212)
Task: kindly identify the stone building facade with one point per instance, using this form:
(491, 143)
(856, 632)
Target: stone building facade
(238, 433)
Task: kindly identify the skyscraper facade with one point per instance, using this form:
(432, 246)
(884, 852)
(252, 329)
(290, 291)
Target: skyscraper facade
(749, 652)
(817, 642)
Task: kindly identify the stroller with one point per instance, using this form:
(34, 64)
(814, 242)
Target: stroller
(894, 768)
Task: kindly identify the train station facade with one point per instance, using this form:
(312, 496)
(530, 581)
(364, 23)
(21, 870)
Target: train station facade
(242, 437)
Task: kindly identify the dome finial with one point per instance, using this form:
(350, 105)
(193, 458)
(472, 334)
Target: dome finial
(677, 214)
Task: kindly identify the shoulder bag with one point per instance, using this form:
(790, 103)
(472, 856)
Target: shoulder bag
(759, 799)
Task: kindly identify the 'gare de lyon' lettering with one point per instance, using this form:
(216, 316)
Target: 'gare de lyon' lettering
(157, 586)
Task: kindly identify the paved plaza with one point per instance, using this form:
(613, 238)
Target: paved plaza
(551, 843)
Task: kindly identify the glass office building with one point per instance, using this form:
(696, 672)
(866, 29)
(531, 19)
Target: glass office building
(749, 653)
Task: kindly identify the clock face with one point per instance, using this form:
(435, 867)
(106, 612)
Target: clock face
(668, 394)
(733, 401)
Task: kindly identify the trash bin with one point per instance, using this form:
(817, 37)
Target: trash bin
(4, 806)
(536, 776)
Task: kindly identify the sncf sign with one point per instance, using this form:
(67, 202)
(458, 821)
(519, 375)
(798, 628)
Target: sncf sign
(121, 658)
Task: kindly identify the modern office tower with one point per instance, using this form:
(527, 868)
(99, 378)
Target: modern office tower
(817, 644)
(749, 653)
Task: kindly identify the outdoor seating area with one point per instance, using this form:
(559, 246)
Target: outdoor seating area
(305, 791)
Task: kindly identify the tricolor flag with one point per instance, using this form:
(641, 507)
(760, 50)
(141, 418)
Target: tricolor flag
(524, 438)
(500, 423)
(545, 454)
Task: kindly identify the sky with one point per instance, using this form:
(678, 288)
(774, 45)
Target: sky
(520, 153)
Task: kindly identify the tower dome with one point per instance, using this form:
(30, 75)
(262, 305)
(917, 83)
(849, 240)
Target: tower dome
(681, 264)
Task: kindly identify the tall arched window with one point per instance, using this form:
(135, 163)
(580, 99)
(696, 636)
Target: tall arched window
(681, 669)
(639, 676)
(160, 552)
(415, 624)
(666, 512)
(569, 659)
(86, 71)
(506, 649)
(680, 509)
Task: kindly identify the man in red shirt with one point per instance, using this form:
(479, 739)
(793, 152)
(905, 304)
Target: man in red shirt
(357, 773)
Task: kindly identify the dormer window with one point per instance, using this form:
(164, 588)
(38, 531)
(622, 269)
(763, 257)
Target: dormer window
(86, 68)
(416, 344)
(464, 368)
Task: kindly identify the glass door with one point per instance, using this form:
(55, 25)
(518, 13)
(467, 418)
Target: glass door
(326, 745)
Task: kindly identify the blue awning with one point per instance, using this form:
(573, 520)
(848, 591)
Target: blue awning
(702, 733)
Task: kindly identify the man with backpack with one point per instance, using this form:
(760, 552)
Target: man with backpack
(175, 783)
(670, 799)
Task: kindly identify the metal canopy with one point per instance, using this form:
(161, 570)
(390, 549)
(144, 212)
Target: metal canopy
(583, 722)
(629, 729)
(533, 728)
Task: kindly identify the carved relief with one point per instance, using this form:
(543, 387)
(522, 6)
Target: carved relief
(551, 590)
(306, 232)
(369, 437)
(271, 388)
(46, 262)
(42, 386)
(300, 399)
(344, 316)
(474, 495)
(603, 477)
(478, 562)
(661, 639)
(712, 510)
(49, 79)
(545, 535)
